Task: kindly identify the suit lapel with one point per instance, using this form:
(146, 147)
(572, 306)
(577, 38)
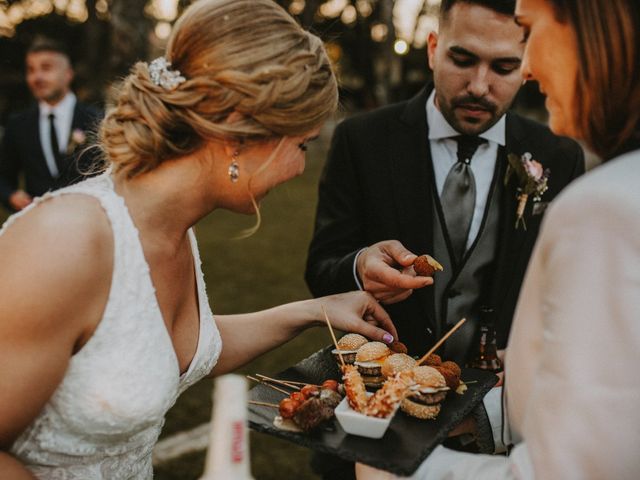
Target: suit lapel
(510, 239)
(411, 183)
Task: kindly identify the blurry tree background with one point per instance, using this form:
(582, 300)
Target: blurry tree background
(377, 46)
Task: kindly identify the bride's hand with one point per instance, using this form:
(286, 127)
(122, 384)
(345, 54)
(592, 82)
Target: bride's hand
(358, 312)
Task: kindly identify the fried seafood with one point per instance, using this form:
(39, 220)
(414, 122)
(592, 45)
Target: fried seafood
(354, 388)
(384, 402)
(426, 266)
(449, 374)
(398, 347)
(453, 366)
(433, 360)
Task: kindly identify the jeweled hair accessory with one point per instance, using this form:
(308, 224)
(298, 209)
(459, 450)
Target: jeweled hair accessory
(162, 75)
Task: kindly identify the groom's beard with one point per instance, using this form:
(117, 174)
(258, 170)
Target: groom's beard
(484, 114)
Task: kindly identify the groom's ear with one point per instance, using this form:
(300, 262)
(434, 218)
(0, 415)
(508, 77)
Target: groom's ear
(432, 45)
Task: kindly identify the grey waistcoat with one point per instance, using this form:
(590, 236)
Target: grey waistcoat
(459, 292)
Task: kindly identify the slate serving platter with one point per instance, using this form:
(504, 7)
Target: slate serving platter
(407, 442)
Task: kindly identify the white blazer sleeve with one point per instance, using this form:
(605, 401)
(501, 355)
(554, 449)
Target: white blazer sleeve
(446, 464)
(582, 419)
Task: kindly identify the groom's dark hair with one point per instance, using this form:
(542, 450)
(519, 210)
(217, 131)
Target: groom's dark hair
(505, 7)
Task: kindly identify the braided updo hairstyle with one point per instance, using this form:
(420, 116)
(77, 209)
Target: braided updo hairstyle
(247, 56)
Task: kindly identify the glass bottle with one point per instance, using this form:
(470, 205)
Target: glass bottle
(228, 453)
(486, 357)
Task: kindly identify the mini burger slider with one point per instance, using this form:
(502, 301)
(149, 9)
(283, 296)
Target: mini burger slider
(348, 346)
(369, 360)
(427, 395)
(396, 363)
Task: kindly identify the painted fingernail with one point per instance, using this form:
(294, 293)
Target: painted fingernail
(387, 338)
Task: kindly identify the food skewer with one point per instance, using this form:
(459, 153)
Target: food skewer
(267, 384)
(441, 341)
(335, 342)
(263, 404)
(292, 383)
(286, 383)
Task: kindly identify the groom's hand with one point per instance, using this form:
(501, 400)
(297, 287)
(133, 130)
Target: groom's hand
(385, 270)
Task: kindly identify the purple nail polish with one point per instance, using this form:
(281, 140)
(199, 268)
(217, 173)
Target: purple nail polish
(387, 338)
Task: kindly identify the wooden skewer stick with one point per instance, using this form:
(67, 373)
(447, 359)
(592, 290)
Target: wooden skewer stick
(266, 384)
(441, 341)
(285, 383)
(335, 342)
(290, 382)
(263, 404)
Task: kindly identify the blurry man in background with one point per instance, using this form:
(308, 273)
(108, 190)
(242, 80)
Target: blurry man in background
(45, 142)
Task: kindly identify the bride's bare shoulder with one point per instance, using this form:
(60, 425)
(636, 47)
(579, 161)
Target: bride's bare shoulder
(74, 220)
(67, 238)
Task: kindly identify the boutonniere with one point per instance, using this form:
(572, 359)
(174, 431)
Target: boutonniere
(533, 180)
(78, 137)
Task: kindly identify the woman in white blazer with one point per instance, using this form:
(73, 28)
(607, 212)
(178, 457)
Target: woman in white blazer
(572, 387)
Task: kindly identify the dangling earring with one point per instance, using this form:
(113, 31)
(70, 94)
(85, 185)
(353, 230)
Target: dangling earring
(234, 168)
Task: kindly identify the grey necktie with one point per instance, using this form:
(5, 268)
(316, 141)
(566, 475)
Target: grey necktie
(458, 197)
(55, 148)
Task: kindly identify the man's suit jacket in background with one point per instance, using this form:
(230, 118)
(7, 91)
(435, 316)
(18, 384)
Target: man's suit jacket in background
(378, 185)
(21, 153)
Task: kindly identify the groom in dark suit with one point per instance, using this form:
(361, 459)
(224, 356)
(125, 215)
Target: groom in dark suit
(45, 142)
(428, 176)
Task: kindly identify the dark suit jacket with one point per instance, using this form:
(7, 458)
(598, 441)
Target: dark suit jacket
(377, 185)
(21, 153)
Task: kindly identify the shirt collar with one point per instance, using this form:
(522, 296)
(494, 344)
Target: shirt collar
(440, 129)
(64, 107)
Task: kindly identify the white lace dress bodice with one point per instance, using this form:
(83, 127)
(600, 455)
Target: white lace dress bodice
(105, 416)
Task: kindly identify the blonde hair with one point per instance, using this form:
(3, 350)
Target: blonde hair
(245, 56)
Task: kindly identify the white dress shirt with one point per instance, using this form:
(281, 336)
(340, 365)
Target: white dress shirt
(444, 155)
(63, 112)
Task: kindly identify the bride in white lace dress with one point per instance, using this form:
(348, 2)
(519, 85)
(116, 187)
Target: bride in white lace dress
(104, 317)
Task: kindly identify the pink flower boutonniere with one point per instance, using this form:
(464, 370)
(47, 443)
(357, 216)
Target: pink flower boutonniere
(78, 137)
(533, 180)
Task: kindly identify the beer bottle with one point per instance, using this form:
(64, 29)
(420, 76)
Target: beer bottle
(486, 357)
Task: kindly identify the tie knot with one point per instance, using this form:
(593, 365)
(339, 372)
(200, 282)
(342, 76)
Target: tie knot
(52, 116)
(467, 146)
